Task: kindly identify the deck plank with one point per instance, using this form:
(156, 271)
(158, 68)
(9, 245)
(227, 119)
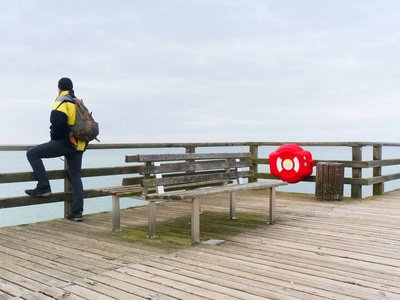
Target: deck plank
(147, 288)
(316, 250)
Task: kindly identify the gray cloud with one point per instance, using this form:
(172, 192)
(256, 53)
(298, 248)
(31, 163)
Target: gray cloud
(205, 70)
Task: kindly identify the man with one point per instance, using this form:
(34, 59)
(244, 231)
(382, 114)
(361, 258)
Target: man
(62, 143)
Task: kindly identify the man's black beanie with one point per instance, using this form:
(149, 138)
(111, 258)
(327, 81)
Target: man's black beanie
(65, 84)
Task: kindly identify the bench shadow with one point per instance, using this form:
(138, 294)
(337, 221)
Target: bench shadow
(174, 234)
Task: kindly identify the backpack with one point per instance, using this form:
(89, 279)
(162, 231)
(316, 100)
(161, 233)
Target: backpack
(85, 127)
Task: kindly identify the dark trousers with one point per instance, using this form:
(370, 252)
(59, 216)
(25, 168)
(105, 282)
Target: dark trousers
(74, 160)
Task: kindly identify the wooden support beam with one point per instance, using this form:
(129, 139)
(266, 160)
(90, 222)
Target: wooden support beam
(232, 205)
(195, 221)
(254, 168)
(356, 189)
(67, 188)
(152, 219)
(378, 188)
(116, 214)
(272, 205)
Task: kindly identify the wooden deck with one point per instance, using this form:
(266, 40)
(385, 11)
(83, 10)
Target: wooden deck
(316, 250)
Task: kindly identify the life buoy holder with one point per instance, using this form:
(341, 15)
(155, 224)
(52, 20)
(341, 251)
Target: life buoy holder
(291, 163)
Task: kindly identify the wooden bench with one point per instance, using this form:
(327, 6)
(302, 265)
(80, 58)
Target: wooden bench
(188, 178)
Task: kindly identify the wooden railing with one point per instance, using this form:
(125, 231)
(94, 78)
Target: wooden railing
(356, 163)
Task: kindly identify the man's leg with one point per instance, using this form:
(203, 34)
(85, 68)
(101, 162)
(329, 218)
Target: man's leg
(35, 156)
(74, 161)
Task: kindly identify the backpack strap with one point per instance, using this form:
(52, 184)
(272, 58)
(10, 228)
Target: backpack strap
(66, 100)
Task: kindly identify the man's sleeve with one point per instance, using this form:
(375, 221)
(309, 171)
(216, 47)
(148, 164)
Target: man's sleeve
(58, 127)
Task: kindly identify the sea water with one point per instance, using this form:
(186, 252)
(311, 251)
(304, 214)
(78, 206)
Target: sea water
(15, 161)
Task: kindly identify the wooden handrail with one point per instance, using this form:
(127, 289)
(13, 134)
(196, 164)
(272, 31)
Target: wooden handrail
(356, 164)
(62, 174)
(213, 144)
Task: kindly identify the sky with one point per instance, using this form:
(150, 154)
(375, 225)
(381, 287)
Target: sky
(205, 70)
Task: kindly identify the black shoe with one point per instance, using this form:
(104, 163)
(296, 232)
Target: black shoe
(39, 192)
(75, 217)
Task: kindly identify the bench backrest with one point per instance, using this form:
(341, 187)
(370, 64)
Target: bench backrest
(161, 170)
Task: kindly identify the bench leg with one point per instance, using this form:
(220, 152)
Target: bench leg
(272, 205)
(232, 205)
(200, 212)
(115, 213)
(195, 221)
(152, 219)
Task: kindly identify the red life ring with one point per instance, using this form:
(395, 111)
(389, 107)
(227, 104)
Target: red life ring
(291, 163)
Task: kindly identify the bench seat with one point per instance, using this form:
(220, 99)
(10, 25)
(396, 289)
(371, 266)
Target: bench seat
(199, 193)
(122, 191)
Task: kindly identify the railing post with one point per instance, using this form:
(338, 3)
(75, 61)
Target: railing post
(254, 154)
(378, 188)
(190, 149)
(356, 189)
(67, 188)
